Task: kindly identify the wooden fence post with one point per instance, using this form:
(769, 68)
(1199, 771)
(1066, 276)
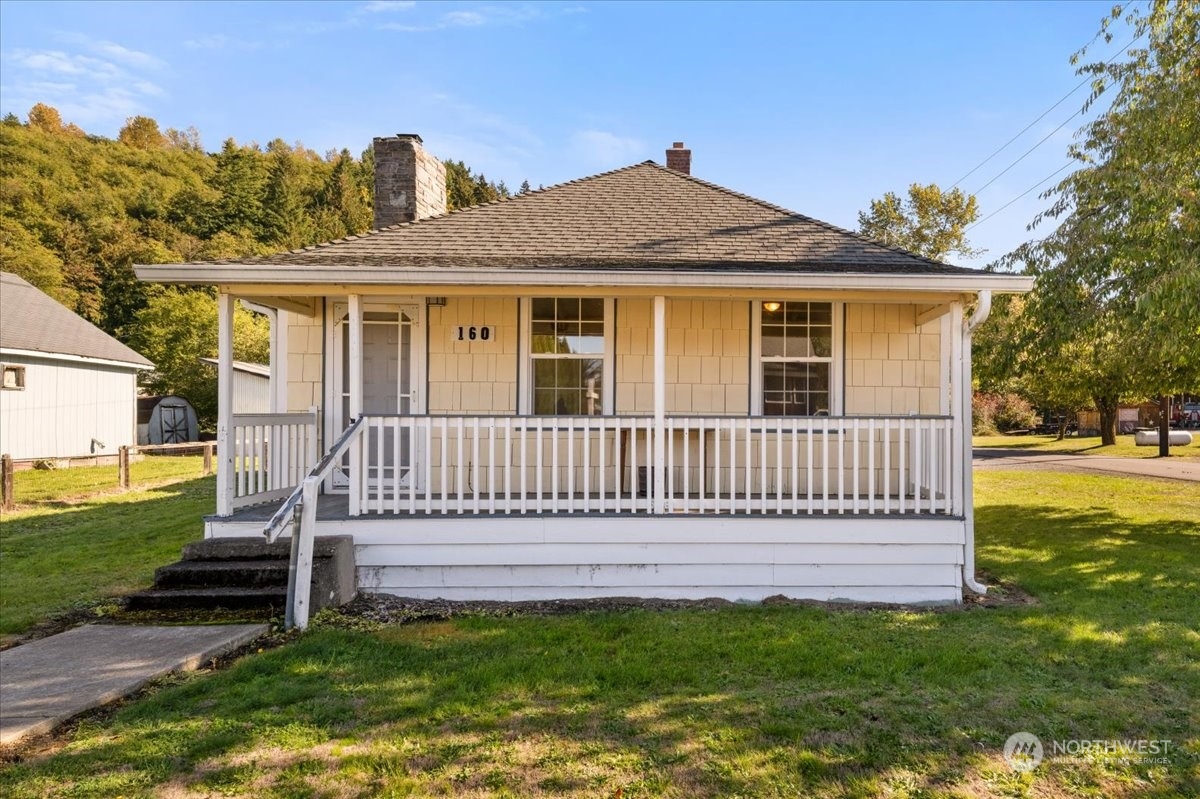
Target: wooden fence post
(123, 467)
(208, 456)
(6, 482)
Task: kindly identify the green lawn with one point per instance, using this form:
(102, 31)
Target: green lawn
(37, 486)
(65, 549)
(1124, 448)
(749, 701)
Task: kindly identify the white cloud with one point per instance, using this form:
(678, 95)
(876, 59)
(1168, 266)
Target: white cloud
(463, 19)
(387, 6)
(472, 18)
(133, 58)
(61, 63)
(219, 41)
(599, 148)
(102, 89)
(113, 51)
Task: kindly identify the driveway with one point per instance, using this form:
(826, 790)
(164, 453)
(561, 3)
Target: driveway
(1168, 468)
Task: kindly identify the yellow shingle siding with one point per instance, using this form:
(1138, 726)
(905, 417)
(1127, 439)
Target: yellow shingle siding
(473, 376)
(892, 365)
(707, 359)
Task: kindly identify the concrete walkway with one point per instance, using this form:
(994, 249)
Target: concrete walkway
(1168, 468)
(46, 682)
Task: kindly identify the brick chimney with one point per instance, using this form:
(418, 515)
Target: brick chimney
(410, 184)
(679, 158)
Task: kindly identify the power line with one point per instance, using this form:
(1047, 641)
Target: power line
(1043, 115)
(1025, 154)
(1019, 196)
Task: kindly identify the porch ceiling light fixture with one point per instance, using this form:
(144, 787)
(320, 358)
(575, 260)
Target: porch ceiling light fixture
(772, 306)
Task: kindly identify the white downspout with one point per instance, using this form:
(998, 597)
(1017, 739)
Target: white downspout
(982, 309)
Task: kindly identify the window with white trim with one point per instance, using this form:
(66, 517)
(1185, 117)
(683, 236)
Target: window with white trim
(14, 378)
(797, 365)
(569, 356)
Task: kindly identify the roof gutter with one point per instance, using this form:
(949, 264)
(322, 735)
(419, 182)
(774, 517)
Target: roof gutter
(64, 356)
(983, 309)
(285, 274)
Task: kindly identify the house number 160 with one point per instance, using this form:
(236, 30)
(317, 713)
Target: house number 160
(472, 333)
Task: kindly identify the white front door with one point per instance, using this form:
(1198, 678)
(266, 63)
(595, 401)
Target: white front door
(393, 345)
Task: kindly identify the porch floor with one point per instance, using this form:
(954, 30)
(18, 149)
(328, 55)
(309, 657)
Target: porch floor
(336, 507)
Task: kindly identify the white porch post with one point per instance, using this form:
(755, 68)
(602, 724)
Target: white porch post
(660, 403)
(953, 389)
(356, 398)
(225, 442)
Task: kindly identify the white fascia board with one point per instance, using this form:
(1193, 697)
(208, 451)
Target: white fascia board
(62, 356)
(281, 274)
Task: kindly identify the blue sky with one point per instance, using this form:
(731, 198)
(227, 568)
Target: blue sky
(818, 107)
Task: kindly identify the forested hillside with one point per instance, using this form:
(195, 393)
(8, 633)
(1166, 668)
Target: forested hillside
(78, 210)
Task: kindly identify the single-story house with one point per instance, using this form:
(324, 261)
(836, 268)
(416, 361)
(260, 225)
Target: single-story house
(635, 383)
(69, 389)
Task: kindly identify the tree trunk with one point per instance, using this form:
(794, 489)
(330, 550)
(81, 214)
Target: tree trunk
(1108, 419)
(1164, 427)
(1062, 426)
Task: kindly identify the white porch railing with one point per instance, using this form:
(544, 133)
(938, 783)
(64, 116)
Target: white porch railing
(271, 454)
(712, 465)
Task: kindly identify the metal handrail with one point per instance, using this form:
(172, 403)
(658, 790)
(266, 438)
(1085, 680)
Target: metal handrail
(286, 511)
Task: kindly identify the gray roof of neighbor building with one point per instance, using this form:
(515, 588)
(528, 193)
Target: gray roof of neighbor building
(260, 369)
(643, 216)
(31, 320)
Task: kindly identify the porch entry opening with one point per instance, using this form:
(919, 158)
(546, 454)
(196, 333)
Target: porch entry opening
(390, 371)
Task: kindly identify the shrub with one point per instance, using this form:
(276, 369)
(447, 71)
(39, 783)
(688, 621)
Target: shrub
(999, 413)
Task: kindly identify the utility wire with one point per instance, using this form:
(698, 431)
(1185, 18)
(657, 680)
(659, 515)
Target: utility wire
(1055, 172)
(1043, 115)
(1025, 154)
(1019, 196)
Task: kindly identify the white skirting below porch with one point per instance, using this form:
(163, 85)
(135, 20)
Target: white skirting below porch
(916, 559)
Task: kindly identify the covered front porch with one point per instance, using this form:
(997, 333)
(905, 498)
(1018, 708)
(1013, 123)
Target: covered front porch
(620, 451)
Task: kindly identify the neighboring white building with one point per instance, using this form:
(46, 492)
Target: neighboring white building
(251, 386)
(69, 388)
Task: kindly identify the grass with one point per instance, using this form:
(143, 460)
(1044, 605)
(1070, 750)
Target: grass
(65, 549)
(749, 701)
(1124, 448)
(36, 486)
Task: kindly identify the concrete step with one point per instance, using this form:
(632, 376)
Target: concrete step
(257, 548)
(248, 573)
(217, 573)
(269, 599)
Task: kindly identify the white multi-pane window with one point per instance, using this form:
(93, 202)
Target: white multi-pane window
(796, 342)
(568, 345)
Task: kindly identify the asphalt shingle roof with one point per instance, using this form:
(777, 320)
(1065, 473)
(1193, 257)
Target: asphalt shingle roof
(31, 320)
(643, 216)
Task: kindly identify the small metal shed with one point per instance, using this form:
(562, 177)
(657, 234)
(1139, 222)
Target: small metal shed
(166, 420)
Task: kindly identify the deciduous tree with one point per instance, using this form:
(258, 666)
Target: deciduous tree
(1118, 279)
(929, 222)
